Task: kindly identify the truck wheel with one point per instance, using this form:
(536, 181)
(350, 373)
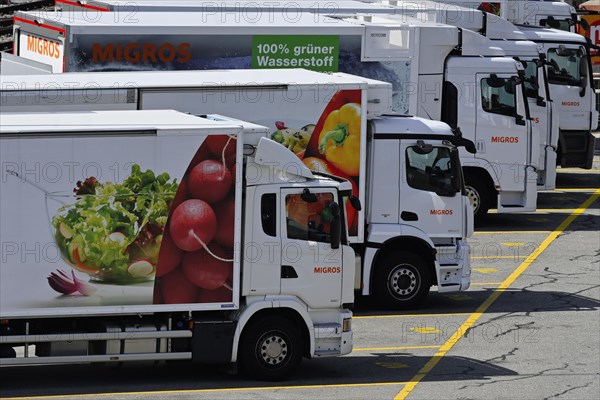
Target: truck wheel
(479, 196)
(270, 348)
(402, 280)
(7, 352)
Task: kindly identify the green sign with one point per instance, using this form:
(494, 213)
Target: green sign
(317, 53)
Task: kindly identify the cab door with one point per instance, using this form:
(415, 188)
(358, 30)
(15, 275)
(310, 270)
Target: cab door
(430, 184)
(310, 268)
(502, 135)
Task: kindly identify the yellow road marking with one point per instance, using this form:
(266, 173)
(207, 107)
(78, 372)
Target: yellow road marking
(394, 348)
(574, 190)
(217, 390)
(409, 315)
(510, 232)
(513, 244)
(496, 257)
(426, 329)
(485, 270)
(578, 171)
(540, 211)
(446, 347)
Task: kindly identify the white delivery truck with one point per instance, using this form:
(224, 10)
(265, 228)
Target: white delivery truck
(568, 64)
(412, 230)
(437, 71)
(141, 235)
(509, 38)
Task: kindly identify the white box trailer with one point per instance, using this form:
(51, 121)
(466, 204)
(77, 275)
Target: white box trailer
(426, 225)
(420, 60)
(128, 232)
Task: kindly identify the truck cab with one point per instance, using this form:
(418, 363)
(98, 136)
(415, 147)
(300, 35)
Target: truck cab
(416, 232)
(569, 72)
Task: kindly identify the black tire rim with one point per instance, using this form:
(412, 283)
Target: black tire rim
(404, 282)
(273, 349)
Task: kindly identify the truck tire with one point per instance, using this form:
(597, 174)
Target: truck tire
(479, 196)
(7, 352)
(402, 280)
(271, 348)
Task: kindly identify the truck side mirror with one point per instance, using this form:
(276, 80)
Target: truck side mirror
(308, 197)
(355, 203)
(336, 225)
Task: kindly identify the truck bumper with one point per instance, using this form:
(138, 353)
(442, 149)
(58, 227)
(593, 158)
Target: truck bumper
(454, 268)
(576, 149)
(333, 339)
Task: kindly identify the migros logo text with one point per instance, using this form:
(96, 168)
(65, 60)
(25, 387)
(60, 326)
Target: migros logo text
(505, 139)
(327, 270)
(441, 212)
(43, 46)
(570, 103)
(136, 53)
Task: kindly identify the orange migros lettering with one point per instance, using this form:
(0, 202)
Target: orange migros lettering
(570, 103)
(505, 139)
(441, 212)
(136, 53)
(327, 270)
(43, 46)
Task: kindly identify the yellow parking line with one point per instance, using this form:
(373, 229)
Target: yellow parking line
(578, 171)
(544, 210)
(446, 347)
(394, 348)
(582, 190)
(409, 315)
(509, 232)
(162, 393)
(495, 257)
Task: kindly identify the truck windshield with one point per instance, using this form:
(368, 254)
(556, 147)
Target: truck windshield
(309, 221)
(497, 96)
(564, 65)
(432, 171)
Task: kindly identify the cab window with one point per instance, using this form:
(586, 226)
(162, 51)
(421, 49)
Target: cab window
(432, 171)
(531, 79)
(497, 96)
(268, 211)
(564, 66)
(309, 221)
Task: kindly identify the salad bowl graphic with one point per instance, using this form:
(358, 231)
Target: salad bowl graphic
(113, 231)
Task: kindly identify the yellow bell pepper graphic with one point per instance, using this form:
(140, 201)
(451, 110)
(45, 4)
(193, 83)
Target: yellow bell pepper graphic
(339, 139)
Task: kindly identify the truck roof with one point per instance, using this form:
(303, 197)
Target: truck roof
(172, 79)
(538, 34)
(176, 23)
(498, 65)
(513, 48)
(291, 6)
(109, 121)
(388, 125)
